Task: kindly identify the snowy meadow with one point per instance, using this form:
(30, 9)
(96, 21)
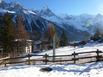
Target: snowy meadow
(94, 69)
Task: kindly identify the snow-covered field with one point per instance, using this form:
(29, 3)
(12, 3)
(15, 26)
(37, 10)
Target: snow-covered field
(68, 70)
(68, 50)
(65, 70)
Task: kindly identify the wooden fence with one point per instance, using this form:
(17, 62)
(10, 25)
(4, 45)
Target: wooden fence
(76, 58)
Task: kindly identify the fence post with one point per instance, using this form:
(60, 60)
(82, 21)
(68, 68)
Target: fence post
(98, 56)
(4, 62)
(28, 59)
(45, 58)
(74, 57)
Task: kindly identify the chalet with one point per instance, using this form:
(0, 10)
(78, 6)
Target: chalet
(26, 48)
(41, 45)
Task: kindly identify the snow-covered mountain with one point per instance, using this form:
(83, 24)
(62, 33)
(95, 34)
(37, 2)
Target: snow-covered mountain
(36, 21)
(46, 13)
(34, 24)
(83, 22)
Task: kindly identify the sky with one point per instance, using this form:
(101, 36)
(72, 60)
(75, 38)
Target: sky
(71, 7)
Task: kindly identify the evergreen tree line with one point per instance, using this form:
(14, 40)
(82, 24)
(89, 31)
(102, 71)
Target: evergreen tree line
(98, 36)
(12, 35)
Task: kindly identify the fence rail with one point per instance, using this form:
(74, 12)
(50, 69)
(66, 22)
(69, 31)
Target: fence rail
(81, 57)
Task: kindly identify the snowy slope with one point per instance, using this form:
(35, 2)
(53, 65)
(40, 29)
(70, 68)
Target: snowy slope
(81, 22)
(4, 11)
(69, 50)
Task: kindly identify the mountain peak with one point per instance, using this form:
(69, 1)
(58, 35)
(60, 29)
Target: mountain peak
(10, 6)
(45, 7)
(46, 11)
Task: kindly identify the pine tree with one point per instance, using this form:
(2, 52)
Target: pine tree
(7, 34)
(97, 36)
(63, 39)
(21, 35)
